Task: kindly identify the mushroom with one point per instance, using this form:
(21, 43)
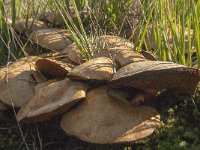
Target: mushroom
(73, 52)
(97, 69)
(17, 82)
(157, 75)
(110, 41)
(52, 68)
(52, 39)
(52, 100)
(104, 120)
(23, 26)
(121, 55)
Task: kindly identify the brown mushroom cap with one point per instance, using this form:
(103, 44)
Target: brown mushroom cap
(104, 120)
(52, 100)
(17, 82)
(110, 41)
(52, 68)
(73, 52)
(52, 39)
(27, 26)
(100, 68)
(157, 75)
(121, 55)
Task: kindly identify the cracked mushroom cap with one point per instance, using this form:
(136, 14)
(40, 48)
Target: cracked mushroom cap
(52, 68)
(97, 69)
(104, 120)
(52, 100)
(17, 82)
(157, 75)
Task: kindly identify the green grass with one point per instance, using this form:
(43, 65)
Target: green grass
(168, 21)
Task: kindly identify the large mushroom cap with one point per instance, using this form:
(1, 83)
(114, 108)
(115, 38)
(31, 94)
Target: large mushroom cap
(100, 68)
(104, 120)
(52, 100)
(52, 39)
(157, 75)
(52, 68)
(17, 82)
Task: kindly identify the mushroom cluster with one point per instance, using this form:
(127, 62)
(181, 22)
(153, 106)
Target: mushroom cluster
(103, 100)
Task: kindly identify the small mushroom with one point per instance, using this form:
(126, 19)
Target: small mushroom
(52, 100)
(52, 68)
(23, 26)
(73, 52)
(110, 41)
(52, 39)
(104, 120)
(97, 69)
(121, 55)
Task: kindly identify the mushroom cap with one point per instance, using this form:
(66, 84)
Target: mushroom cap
(102, 42)
(52, 100)
(27, 26)
(104, 120)
(54, 17)
(121, 55)
(52, 39)
(100, 69)
(110, 41)
(157, 75)
(73, 52)
(52, 68)
(17, 82)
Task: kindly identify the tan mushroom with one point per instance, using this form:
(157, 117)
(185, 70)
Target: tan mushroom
(52, 68)
(104, 120)
(73, 52)
(27, 26)
(121, 55)
(52, 39)
(157, 75)
(52, 100)
(110, 41)
(102, 42)
(101, 69)
(17, 82)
